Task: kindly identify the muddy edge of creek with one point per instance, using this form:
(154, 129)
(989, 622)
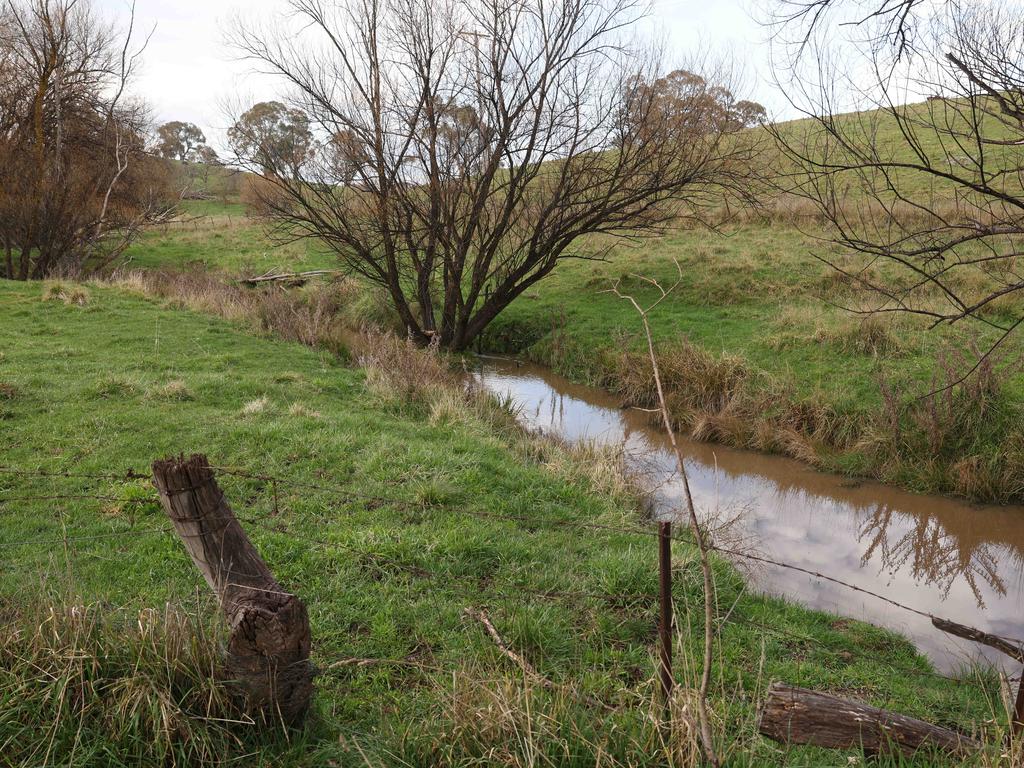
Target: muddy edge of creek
(941, 555)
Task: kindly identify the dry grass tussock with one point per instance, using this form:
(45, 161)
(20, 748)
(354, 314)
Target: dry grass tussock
(255, 406)
(965, 426)
(869, 335)
(175, 390)
(324, 316)
(76, 678)
(722, 399)
(70, 293)
(409, 378)
(953, 434)
(508, 722)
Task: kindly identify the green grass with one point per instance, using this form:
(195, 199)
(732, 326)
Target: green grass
(111, 383)
(222, 238)
(213, 207)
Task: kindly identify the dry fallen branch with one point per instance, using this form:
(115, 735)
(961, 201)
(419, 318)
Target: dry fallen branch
(291, 279)
(518, 660)
(1013, 650)
(528, 669)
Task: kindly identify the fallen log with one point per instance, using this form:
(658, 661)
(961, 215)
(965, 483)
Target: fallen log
(268, 646)
(792, 715)
(293, 279)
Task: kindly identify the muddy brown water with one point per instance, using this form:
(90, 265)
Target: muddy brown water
(943, 556)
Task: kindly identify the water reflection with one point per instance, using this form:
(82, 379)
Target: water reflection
(932, 555)
(940, 555)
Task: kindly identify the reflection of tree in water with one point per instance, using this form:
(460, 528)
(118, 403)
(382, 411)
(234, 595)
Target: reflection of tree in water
(932, 555)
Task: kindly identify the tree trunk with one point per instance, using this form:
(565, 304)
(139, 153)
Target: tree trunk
(26, 253)
(8, 259)
(794, 715)
(268, 649)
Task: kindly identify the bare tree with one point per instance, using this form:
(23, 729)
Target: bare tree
(927, 178)
(75, 183)
(891, 22)
(462, 149)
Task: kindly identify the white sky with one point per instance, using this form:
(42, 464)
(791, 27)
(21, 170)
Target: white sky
(188, 72)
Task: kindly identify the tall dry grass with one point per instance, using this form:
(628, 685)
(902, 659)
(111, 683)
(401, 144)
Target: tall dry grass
(961, 426)
(81, 682)
(327, 316)
(721, 398)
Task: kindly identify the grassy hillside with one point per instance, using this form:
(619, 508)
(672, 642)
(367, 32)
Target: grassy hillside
(399, 506)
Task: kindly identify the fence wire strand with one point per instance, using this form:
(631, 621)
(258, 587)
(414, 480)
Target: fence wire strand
(472, 584)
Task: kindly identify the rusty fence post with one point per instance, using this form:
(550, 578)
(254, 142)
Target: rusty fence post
(665, 623)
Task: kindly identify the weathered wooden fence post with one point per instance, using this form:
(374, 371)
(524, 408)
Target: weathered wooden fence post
(268, 648)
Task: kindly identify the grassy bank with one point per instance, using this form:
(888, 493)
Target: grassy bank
(401, 503)
(763, 355)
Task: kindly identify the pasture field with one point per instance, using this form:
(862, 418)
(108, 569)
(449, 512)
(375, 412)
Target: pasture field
(398, 505)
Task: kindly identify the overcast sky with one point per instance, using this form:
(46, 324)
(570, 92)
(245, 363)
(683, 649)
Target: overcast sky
(188, 72)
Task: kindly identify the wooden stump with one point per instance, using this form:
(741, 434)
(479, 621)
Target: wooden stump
(794, 715)
(268, 647)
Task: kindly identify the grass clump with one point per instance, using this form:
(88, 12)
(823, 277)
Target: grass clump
(255, 406)
(424, 381)
(78, 682)
(114, 386)
(71, 294)
(175, 390)
(300, 411)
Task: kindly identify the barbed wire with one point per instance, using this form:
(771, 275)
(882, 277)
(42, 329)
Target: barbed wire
(339, 492)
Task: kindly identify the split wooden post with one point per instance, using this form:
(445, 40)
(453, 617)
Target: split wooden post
(794, 715)
(268, 647)
(665, 622)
